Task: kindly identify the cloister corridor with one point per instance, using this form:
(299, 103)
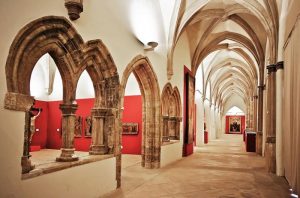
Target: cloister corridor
(220, 169)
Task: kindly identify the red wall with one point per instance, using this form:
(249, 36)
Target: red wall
(242, 123)
(40, 137)
(132, 144)
(50, 120)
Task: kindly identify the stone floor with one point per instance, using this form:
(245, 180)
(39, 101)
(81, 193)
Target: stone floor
(220, 169)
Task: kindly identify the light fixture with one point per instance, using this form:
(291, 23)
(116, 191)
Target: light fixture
(150, 46)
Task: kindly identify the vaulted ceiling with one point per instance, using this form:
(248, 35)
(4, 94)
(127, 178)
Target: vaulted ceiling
(230, 41)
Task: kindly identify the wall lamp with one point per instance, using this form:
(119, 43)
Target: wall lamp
(150, 46)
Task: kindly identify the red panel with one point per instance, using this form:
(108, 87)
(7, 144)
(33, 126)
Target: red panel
(54, 123)
(40, 137)
(132, 144)
(205, 137)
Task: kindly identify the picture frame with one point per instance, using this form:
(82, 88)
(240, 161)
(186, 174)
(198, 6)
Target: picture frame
(130, 128)
(235, 124)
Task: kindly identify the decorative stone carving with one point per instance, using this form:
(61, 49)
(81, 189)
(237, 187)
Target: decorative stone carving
(74, 7)
(78, 126)
(171, 109)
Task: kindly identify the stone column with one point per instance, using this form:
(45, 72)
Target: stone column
(98, 146)
(68, 128)
(271, 120)
(25, 161)
(255, 113)
(251, 113)
(259, 133)
(279, 129)
(165, 137)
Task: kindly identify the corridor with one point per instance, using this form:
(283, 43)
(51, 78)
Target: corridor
(220, 169)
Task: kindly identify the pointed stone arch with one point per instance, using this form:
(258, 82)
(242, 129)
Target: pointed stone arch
(56, 36)
(142, 69)
(171, 113)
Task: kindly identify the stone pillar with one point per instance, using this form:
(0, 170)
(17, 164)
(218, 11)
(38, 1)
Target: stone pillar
(251, 113)
(255, 113)
(68, 128)
(259, 133)
(271, 120)
(165, 136)
(98, 146)
(279, 129)
(25, 161)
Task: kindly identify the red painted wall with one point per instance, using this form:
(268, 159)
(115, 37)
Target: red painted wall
(132, 144)
(228, 125)
(40, 137)
(50, 120)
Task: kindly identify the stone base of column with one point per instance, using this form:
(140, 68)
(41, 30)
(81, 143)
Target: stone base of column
(67, 155)
(98, 150)
(173, 138)
(259, 142)
(166, 139)
(26, 164)
(271, 154)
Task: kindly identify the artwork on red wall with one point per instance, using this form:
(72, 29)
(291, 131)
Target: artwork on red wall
(235, 124)
(78, 126)
(130, 128)
(88, 126)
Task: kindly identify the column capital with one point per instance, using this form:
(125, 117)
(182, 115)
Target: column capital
(262, 87)
(271, 68)
(68, 108)
(255, 97)
(280, 65)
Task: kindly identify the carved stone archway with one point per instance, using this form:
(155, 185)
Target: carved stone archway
(57, 36)
(141, 67)
(171, 113)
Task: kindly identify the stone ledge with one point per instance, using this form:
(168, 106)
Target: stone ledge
(170, 142)
(54, 166)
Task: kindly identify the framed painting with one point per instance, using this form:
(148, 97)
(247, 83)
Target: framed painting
(130, 128)
(190, 91)
(235, 124)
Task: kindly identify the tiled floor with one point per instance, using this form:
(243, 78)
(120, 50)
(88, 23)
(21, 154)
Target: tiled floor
(221, 169)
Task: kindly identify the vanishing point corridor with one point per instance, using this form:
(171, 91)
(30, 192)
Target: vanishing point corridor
(220, 169)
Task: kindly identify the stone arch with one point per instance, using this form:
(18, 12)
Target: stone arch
(171, 113)
(141, 67)
(56, 36)
(53, 35)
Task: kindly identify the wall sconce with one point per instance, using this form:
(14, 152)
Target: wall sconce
(74, 7)
(150, 46)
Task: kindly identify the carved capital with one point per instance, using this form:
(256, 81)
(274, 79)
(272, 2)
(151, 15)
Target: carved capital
(279, 65)
(68, 109)
(271, 140)
(271, 68)
(17, 101)
(255, 97)
(261, 87)
(74, 7)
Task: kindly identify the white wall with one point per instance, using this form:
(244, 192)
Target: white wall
(199, 119)
(170, 153)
